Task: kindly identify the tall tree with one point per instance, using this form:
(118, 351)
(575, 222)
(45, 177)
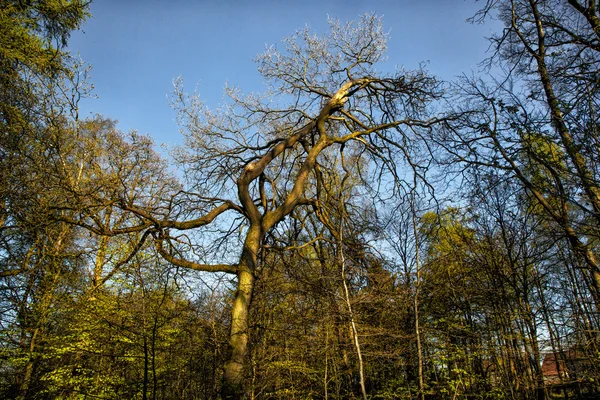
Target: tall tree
(254, 162)
(39, 89)
(538, 123)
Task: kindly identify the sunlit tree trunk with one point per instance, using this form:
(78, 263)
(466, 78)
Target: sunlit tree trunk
(233, 371)
(416, 300)
(354, 330)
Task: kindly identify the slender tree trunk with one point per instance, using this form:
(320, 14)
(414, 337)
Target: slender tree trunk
(418, 336)
(38, 332)
(351, 314)
(153, 360)
(326, 377)
(24, 389)
(145, 383)
(100, 257)
(416, 301)
(538, 376)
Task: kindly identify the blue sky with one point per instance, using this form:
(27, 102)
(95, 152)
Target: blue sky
(137, 47)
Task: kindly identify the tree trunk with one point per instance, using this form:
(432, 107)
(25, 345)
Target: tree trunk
(416, 301)
(233, 371)
(353, 330)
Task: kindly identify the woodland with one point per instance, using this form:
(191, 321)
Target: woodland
(348, 233)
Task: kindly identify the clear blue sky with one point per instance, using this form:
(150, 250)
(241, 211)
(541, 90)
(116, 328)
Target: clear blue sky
(137, 47)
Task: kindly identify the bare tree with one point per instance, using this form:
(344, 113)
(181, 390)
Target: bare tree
(255, 160)
(537, 122)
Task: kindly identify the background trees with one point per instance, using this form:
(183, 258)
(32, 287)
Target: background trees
(528, 127)
(341, 264)
(38, 257)
(537, 124)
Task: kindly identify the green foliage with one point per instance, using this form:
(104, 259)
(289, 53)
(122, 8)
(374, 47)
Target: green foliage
(116, 345)
(445, 233)
(33, 33)
(32, 61)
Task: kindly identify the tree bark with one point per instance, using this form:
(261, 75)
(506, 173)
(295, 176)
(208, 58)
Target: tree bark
(233, 372)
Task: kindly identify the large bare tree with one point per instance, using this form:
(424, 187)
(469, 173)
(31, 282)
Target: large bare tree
(252, 162)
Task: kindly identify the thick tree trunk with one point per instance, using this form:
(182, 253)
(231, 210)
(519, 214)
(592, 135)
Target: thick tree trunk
(233, 371)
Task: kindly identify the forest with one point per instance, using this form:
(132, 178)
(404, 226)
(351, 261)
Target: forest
(348, 233)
